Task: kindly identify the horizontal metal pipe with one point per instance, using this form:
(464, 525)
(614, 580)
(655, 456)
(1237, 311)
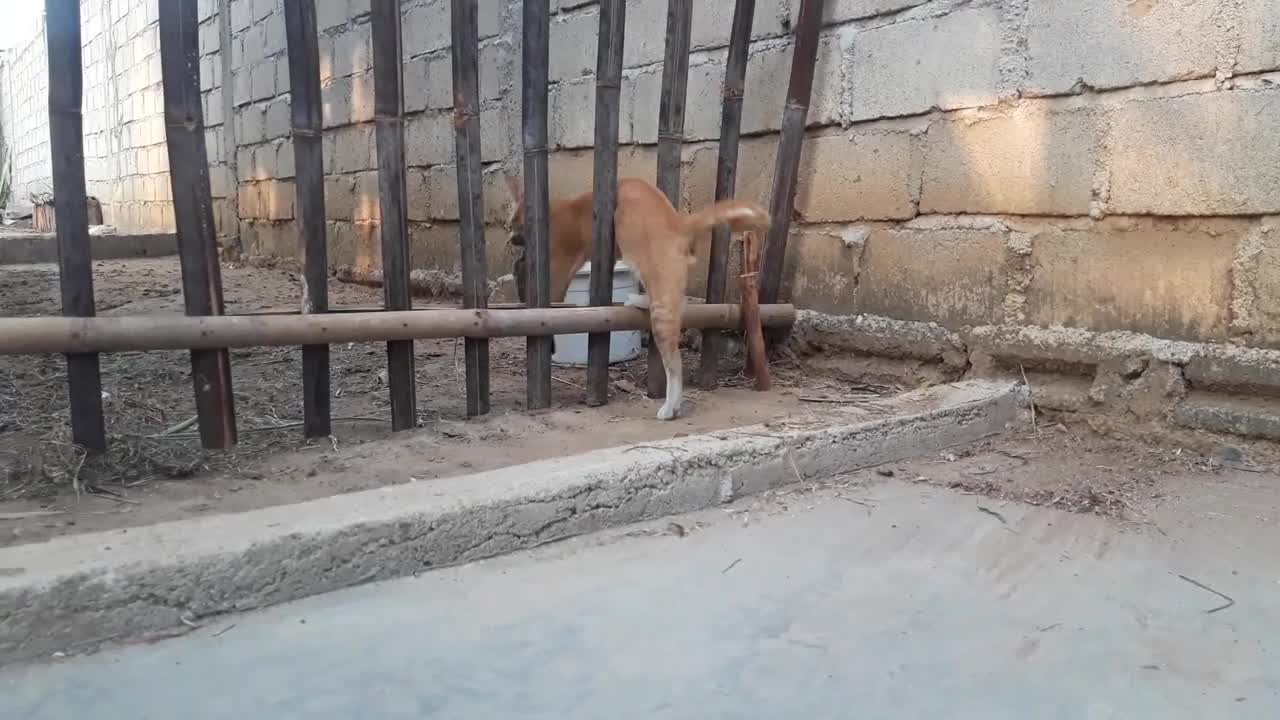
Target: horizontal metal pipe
(19, 336)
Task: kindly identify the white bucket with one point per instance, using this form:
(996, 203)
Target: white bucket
(623, 345)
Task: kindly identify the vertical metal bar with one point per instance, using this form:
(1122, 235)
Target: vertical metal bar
(671, 111)
(613, 15)
(537, 199)
(466, 121)
(193, 213)
(735, 76)
(388, 108)
(782, 201)
(308, 152)
(71, 219)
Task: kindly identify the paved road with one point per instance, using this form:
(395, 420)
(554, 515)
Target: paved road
(921, 607)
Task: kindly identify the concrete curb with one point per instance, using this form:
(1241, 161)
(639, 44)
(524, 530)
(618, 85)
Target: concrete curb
(32, 249)
(74, 593)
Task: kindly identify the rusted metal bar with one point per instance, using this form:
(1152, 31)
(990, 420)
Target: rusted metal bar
(735, 76)
(75, 256)
(193, 213)
(124, 333)
(308, 152)
(794, 116)
(466, 122)
(671, 112)
(388, 109)
(613, 15)
(537, 199)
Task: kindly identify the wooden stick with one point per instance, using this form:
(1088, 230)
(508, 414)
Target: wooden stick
(671, 113)
(193, 214)
(794, 116)
(466, 122)
(388, 109)
(757, 359)
(735, 75)
(75, 261)
(537, 257)
(308, 152)
(22, 336)
(613, 16)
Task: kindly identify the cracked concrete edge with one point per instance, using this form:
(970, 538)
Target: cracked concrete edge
(74, 593)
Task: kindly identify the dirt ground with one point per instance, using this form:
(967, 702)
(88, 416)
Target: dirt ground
(156, 470)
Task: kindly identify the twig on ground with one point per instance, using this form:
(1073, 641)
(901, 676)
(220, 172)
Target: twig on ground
(176, 428)
(837, 401)
(993, 514)
(1035, 427)
(731, 566)
(1230, 601)
(31, 514)
(225, 630)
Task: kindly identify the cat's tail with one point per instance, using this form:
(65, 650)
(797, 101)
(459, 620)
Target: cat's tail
(739, 215)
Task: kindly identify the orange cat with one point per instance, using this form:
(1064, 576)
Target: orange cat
(653, 238)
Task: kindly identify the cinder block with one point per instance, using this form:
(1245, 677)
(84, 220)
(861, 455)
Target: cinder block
(962, 282)
(910, 67)
(282, 74)
(366, 207)
(429, 139)
(822, 268)
(1108, 44)
(1212, 154)
(352, 51)
(769, 72)
(1259, 37)
(861, 176)
(433, 195)
(571, 107)
(280, 197)
(335, 108)
(754, 177)
(705, 99)
(263, 8)
(641, 95)
(332, 13)
(277, 118)
(1170, 279)
(1026, 161)
(250, 200)
(712, 22)
(574, 39)
(361, 98)
(262, 80)
(646, 32)
(350, 149)
(273, 34)
(339, 197)
(285, 165)
(493, 66)
(426, 28)
(251, 124)
(241, 15)
(494, 136)
(571, 171)
(836, 11)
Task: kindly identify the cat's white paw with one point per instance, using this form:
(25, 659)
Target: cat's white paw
(667, 411)
(637, 301)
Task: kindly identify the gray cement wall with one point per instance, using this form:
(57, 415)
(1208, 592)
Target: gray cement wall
(1106, 164)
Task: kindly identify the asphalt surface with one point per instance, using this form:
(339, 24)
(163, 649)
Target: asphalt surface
(914, 604)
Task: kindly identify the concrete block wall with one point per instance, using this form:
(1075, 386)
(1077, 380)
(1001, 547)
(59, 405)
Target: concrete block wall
(1106, 164)
(126, 163)
(26, 118)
